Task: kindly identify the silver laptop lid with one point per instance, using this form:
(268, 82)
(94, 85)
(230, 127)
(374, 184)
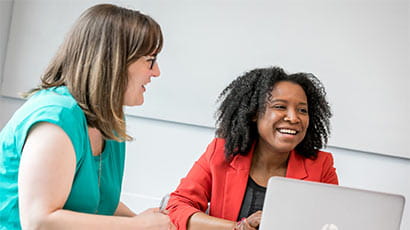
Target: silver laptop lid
(301, 205)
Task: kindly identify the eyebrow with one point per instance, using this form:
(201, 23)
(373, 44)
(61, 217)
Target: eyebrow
(285, 101)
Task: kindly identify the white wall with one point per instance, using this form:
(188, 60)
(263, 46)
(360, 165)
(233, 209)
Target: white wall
(6, 7)
(358, 48)
(163, 152)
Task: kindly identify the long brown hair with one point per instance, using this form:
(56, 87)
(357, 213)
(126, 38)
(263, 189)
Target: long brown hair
(92, 62)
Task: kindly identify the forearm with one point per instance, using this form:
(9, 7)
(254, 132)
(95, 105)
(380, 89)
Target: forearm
(123, 210)
(65, 219)
(202, 221)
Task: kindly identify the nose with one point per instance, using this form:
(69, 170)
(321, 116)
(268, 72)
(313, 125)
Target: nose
(291, 116)
(155, 70)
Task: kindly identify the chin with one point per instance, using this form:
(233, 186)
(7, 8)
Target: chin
(285, 148)
(134, 103)
(139, 102)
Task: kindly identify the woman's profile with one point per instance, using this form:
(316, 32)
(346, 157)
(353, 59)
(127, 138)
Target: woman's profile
(62, 153)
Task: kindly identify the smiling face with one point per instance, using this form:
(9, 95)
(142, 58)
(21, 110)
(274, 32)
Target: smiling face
(284, 123)
(139, 75)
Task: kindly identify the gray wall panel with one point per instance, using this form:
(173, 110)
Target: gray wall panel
(359, 49)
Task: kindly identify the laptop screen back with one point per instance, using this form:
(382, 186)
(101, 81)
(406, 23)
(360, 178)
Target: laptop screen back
(295, 205)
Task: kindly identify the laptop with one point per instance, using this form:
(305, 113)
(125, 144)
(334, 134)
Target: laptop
(302, 205)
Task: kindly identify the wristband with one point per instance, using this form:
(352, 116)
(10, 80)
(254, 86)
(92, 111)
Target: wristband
(239, 223)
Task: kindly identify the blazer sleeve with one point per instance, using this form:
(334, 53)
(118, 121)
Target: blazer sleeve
(194, 191)
(329, 172)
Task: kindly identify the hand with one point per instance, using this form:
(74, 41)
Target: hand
(153, 219)
(252, 222)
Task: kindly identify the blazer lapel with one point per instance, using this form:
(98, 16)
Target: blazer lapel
(236, 181)
(296, 167)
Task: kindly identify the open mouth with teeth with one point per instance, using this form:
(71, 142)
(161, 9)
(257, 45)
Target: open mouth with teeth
(288, 131)
(144, 86)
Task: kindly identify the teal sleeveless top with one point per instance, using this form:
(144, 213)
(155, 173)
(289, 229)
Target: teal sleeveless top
(97, 181)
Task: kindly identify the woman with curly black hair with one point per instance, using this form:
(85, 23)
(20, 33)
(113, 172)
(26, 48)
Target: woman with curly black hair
(270, 123)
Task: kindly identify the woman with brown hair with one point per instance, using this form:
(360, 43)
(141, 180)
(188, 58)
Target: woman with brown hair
(62, 153)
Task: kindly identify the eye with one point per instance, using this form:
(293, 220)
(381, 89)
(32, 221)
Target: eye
(303, 110)
(151, 61)
(281, 107)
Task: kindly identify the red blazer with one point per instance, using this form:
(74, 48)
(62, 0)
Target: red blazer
(223, 184)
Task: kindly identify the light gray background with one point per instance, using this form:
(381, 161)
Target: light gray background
(164, 150)
(360, 50)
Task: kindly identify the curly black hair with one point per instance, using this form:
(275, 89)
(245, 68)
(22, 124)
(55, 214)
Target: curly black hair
(247, 96)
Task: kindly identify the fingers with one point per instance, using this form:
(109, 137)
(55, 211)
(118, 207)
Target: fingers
(247, 226)
(166, 212)
(252, 222)
(150, 210)
(172, 227)
(157, 219)
(244, 225)
(255, 219)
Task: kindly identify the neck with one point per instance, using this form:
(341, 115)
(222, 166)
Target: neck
(269, 160)
(96, 141)
(267, 163)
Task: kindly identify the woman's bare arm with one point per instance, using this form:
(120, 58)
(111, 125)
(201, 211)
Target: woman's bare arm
(46, 173)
